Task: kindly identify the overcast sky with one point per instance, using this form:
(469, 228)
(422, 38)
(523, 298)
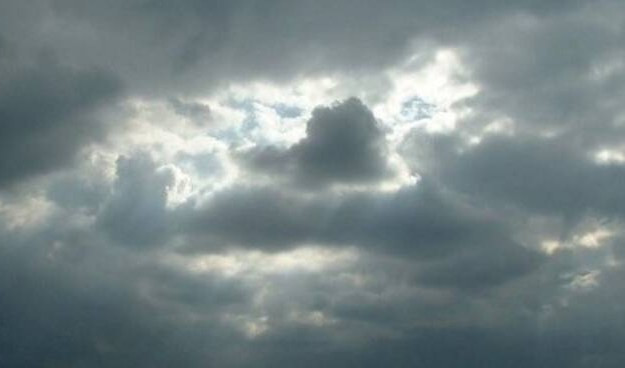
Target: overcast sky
(332, 183)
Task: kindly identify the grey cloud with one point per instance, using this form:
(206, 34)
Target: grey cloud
(475, 270)
(98, 311)
(444, 276)
(136, 213)
(78, 192)
(618, 247)
(253, 217)
(472, 247)
(194, 45)
(556, 74)
(46, 114)
(424, 347)
(344, 144)
(68, 299)
(197, 112)
(553, 176)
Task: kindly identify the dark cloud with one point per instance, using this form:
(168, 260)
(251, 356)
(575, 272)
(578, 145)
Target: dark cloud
(344, 144)
(559, 75)
(110, 307)
(469, 247)
(46, 115)
(255, 217)
(197, 112)
(136, 213)
(194, 45)
(69, 299)
(545, 175)
(79, 192)
(618, 247)
(507, 252)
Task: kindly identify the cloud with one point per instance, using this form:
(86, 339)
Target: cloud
(343, 144)
(419, 223)
(135, 214)
(558, 75)
(484, 228)
(80, 302)
(198, 45)
(542, 175)
(47, 113)
(194, 111)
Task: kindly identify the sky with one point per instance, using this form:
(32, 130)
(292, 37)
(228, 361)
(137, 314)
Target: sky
(335, 183)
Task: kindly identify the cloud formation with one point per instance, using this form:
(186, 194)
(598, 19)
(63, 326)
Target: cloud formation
(344, 144)
(338, 183)
(46, 111)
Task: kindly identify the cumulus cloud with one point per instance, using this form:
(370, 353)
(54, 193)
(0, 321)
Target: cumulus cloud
(343, 144)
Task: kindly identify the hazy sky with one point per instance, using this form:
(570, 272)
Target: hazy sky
(331, 183)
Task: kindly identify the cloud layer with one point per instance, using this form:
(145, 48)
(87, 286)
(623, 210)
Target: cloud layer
(337, 183)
